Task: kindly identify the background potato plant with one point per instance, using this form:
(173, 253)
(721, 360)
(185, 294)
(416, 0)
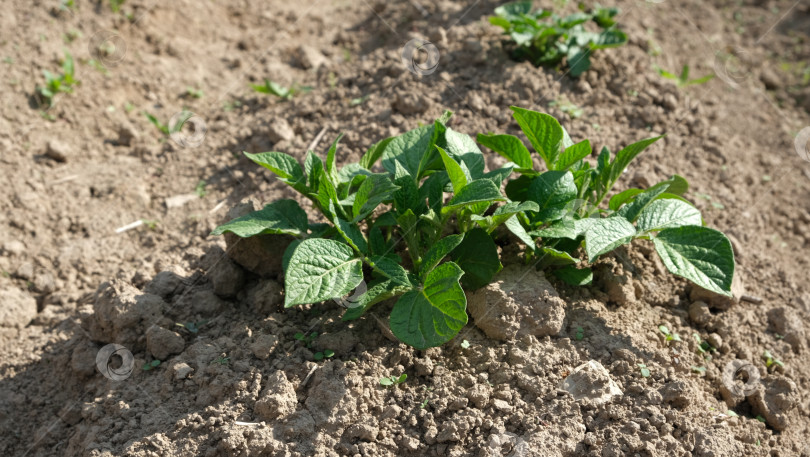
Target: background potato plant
(416, 217)
(548, 42)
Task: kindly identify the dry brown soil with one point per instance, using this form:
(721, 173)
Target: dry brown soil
(243, 385)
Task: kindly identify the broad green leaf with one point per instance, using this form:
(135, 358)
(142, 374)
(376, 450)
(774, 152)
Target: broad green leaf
(552, 191)
(514, 11)
(458, 178)
(543, 131)
(550, 257)
(327, 194)
(434, 314)
(567, 228)
(632, 210)
(626, 155)
(498, 176)
(409, 150)
(514, 226)
(321, 269)
(374, 153)
(579, 60)
(407, 196)
(667, 213)
(699, 254)
(283, 165)
(575, 276)
(437, 252)
(573, 154)
(606, 235)
(610, 38)
(622, 197)
(331, 167)
(502, 213)
(678, 185)
(313, 165)
(518, 189)
(391, 270)
(464, 150)
(351, 171)
(477, 255)
(481, 190)
(376, 189)
(279, 217)
(377, 291)
(508, 146)
(352, 234)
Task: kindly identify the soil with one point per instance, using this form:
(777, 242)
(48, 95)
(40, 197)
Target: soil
(600, 379)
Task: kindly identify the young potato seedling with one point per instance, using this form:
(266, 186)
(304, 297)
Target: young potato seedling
(272, 88)
(683, 80)
(548, 43)
(324, 355)
(770, 360)
(393, 380)
(670, 336)
(148, 366)
(55, 84)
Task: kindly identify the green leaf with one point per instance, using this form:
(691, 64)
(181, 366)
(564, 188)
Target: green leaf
(622, 197)
(552, 257)
(567, 228)
(678, 185)
(409, 149)
(668, 213)
(280, 217)
(352, 234)
(433, 315)
(503, 213)
(284, 166)
(699, 254)
(376, 189)
(514, 11)
(610, 38)
(514, 226)
(480, 190)
(606, 235)
(458, 178)
(552, 191)
(285, 259)
(626, 155)
(508, 146)
(543, 131)
(573, 154)
(331, 167)
(575, 276)
(377, 292)
(464, 150)
(632, 210)
(374, 153)
(320, 269)
(477, 255)
(498, 176)
(437, 252)
(391, 270)
(579, 61)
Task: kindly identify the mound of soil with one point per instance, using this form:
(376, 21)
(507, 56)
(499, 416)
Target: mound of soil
(583, 371)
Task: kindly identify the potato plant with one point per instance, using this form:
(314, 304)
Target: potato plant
(548, 43)
(569, 194)
(420, 226)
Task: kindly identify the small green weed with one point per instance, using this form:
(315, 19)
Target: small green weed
(285, 93)
(393, 380)
(55, 84)
(683, 80)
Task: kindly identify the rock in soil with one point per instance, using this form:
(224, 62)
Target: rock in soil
(775, 399)
(57, 151)
(519, 302)
(266, 296)
(787, 322)
(278, 398)
(17, 307)
(591, 384)
(162, 343)
(121, 314)
(225, 275)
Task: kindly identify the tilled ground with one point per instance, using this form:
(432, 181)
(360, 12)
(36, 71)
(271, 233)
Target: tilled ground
(243, 384)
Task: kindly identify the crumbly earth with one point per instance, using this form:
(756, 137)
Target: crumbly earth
(241, 384)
